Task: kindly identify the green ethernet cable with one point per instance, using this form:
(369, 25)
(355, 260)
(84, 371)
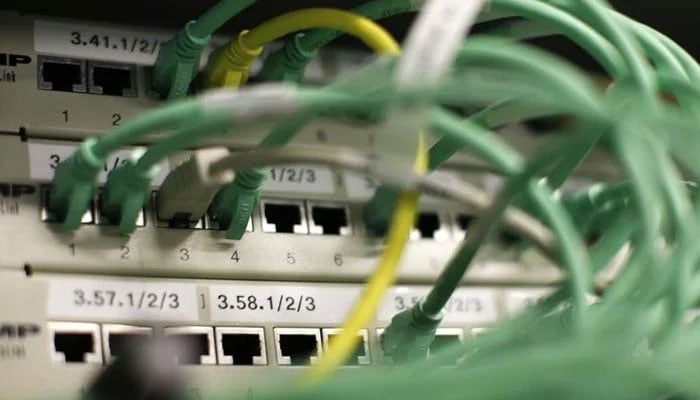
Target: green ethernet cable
(74, 181)
(178, 59)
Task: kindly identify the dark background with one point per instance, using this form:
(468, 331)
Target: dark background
(676, 18)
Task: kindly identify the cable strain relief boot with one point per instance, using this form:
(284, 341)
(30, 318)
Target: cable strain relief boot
(74, 185)
(288, 63)
(233, 205)
(127, 190)
(378, 211)
(178, 63)
(409, 335)
(229, 66)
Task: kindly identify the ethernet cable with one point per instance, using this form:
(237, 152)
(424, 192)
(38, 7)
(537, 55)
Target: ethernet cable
(637, 65)
(178, 59)
(230, 64)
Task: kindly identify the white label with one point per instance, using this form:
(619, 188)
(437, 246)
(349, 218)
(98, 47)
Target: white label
(43, 159)
(516, 300)
(98, 43)
(123, 300)
(359, 187)
(300, 178)
(467, 305)
(281, 303)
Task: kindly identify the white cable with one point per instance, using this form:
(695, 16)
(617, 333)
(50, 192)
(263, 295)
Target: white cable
(434, 40)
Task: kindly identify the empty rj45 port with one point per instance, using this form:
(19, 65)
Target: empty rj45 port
(360, 355)
(111, 79)
(329, 219)
(61, 74)
(429, 226)
(241, 346)
(75, 342)
(195, 344)
(283, 216)
(297, 346)
(119, 339)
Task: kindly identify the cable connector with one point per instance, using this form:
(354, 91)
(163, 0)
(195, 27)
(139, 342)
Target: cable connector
(229, 65)
(178, 63)
(234, 204)
(127, 190)
(74, 185)
(378, 211)
(409, 335)
(189, 189)
(288, 63)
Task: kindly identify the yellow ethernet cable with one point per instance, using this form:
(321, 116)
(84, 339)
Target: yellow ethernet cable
(230, 64)
(364, 311)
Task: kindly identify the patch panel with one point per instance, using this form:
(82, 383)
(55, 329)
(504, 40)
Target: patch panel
(240, 347)
(85, 343)
(75, 342)
(195, 344)
(156, 248)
